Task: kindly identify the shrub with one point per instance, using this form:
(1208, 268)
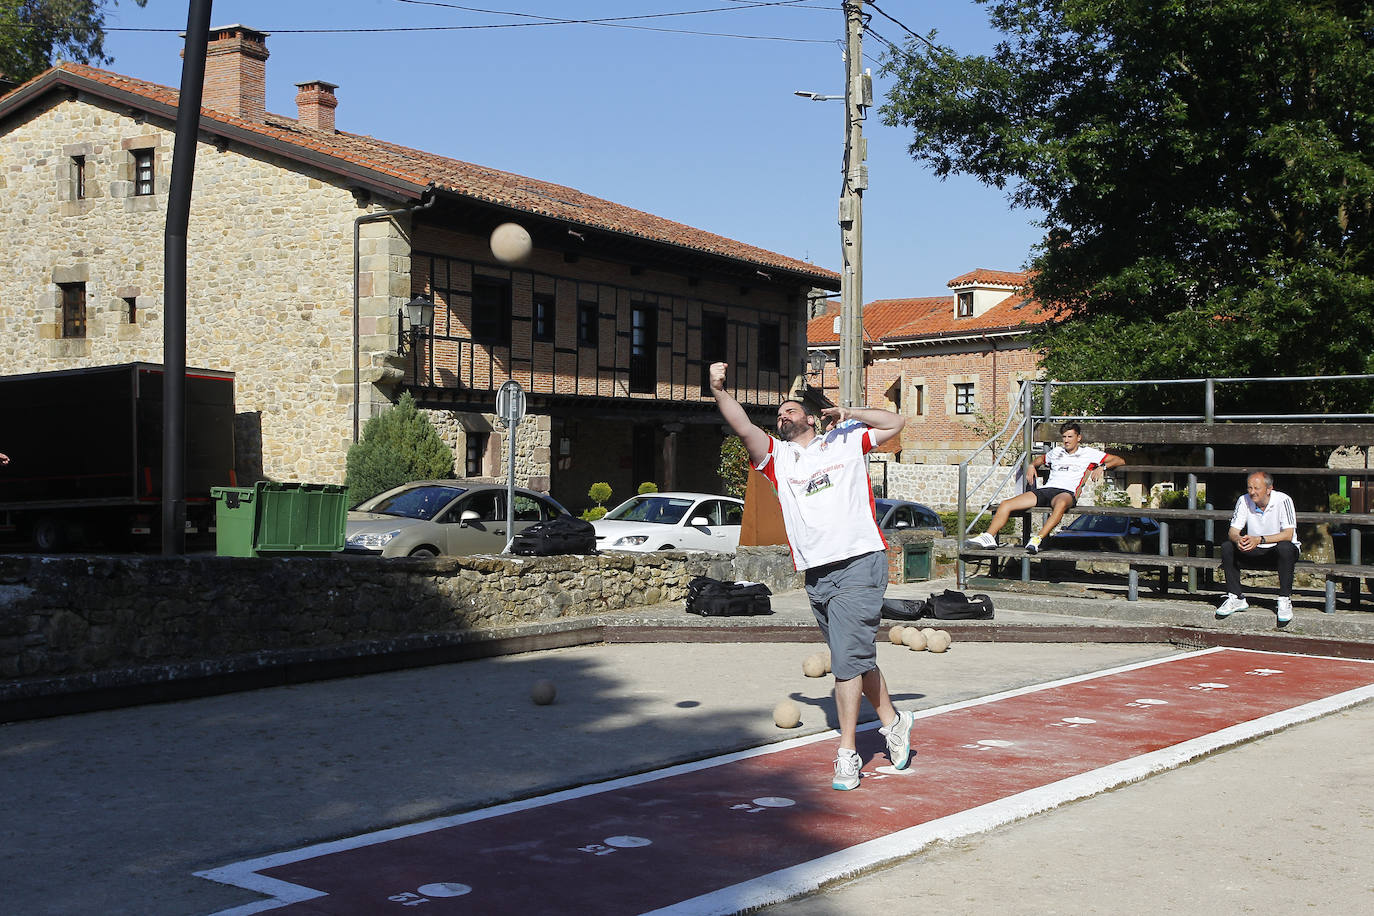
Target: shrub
(599, 493)
(397, 446)
(1338, 503)
(1178, 499)
(951, 522)
(594, 513)
(734, 466)
(648, 486)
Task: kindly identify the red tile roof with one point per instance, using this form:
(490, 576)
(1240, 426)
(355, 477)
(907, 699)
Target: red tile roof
(892, 321)
(401, 169)
(984, 277)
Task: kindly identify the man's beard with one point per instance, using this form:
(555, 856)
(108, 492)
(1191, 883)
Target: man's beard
(789, 430)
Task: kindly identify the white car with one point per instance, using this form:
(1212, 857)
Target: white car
(672, 521)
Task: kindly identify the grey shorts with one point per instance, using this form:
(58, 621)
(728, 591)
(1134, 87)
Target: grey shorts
(847, 599)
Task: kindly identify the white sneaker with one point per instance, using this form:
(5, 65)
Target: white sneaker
(984, 541)
(1285, 610)
(847, 766)
(1232, 604)
(1033, 544)
(899, 740)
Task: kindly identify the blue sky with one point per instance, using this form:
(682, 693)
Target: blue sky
(699, 129)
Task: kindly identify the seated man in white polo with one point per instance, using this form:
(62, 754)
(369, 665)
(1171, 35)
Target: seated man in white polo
(1264, 534)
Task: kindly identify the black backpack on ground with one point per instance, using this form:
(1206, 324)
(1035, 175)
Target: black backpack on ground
(713, 598)
(946, 605)
(560, 535)
(952, 605)
(905, 609)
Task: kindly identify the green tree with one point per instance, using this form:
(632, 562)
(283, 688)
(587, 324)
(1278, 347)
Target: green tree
(398, 445)
(33, 33)
(734, 466)
(1205, 172)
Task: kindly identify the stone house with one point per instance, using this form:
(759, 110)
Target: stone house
(952, 364)
(304, 244)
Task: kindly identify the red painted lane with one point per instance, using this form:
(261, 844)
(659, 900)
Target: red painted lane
(631, 848)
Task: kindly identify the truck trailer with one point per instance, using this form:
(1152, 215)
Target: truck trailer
(85, 450)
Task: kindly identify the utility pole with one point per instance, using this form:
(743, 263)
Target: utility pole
(858, 96)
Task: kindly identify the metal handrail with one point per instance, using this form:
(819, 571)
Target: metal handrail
(1026, 418)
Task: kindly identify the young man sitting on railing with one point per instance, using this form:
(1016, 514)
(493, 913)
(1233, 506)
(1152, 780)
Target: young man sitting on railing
(1264, 533)
(1071, 464)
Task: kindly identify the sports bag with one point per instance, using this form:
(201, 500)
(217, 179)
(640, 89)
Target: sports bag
(560, 535)
(709, 597)
(905, 609)
(952, 605)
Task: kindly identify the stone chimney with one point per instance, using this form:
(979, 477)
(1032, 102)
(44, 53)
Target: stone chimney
(236, 72)
(315, 104)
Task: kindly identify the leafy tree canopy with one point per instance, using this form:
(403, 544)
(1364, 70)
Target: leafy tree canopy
(34, 33)
(1205, 169)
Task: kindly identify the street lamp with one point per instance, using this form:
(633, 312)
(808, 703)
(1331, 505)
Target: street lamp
(420, 312)
(816, 96)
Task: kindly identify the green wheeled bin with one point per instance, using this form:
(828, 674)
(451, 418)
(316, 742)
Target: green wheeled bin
(236, 516)
(300, 518)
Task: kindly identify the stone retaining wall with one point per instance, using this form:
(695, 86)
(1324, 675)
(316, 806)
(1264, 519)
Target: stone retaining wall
(84, 624)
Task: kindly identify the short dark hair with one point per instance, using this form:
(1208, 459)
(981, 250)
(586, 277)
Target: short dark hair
(1071, 425)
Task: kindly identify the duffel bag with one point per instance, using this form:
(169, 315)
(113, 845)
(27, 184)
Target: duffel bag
(952, 605)
(905, 609)
(709, 597)
(562, 535)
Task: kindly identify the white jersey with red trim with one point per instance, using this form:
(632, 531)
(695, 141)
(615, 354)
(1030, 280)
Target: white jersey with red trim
(825, 494)
(1069, 470)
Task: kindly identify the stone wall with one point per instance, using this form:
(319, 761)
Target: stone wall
(70, 616)
(77, 623)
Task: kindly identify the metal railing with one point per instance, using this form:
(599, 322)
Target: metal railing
(1021, 423)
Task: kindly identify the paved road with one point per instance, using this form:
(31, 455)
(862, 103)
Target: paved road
(112, 812)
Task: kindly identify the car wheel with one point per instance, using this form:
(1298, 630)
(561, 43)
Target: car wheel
(424, 552)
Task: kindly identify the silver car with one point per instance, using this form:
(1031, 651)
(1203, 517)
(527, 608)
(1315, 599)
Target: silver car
(427, 518)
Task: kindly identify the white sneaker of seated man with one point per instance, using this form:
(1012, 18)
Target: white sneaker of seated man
(983, 541)
(1285, 610)
(1232, 604)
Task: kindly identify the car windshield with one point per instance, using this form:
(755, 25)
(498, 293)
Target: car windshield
(416, 502)
(659, 510)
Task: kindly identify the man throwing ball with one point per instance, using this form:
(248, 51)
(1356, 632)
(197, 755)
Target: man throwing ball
(827, 508)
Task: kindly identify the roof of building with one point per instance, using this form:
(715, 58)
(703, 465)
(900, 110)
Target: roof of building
(982, 276)
(929, 319)
(407, 172)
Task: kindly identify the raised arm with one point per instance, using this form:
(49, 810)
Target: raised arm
(884, 423)
(755, 440)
